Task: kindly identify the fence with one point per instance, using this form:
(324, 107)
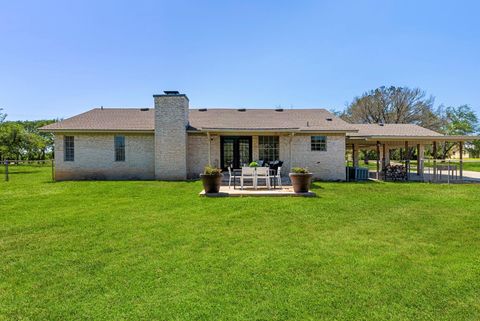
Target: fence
(10, 167)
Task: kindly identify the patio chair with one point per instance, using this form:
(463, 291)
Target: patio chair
(277, 176)
(263, 173)
(231, 176)
(248, 173)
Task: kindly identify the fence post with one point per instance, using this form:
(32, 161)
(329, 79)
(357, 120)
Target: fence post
(53, 170)
(6, 170)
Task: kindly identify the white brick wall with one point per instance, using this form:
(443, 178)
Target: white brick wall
(95, 157)
(328, 165)
(171, 120)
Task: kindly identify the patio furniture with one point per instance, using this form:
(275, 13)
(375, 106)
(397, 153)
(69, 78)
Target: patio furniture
(262, 173)
(275, 176)
(248, 173)
(231, 175)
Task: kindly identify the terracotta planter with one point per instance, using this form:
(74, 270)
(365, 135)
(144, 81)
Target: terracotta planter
(211, 183)
(301, 182)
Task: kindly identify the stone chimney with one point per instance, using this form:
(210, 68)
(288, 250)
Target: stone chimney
(171, 121)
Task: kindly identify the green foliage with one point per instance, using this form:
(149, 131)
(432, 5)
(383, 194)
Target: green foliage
(149, 250)
(22, 140)
(300, 170)
(2, 116)
(210, 170)
(253, 164)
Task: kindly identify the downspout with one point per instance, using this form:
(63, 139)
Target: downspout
(209, 150)
(290, 156)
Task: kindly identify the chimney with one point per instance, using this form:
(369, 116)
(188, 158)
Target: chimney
(171, 122)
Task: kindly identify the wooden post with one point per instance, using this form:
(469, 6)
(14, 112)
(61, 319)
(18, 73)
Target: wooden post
(384, 158)
(6, 170)
(419, 159)
(355, 155)
(53, 169)
(378, 160)
(407, 159)
(461, 160)
(434, 152)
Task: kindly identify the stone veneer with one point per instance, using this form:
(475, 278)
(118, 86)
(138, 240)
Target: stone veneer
(95, 157)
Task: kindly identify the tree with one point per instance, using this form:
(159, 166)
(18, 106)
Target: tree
(2, 116)
(394, 105)
(460, 120)
(12, 140)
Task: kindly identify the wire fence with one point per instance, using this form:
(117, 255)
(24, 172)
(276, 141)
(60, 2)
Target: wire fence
(10, 168)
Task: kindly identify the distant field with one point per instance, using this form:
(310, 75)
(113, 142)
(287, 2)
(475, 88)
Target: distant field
(148, 250)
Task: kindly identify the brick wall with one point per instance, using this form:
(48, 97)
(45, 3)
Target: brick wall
(95, 158)
(171, 120)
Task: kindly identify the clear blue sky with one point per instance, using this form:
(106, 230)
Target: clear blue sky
(60, 58)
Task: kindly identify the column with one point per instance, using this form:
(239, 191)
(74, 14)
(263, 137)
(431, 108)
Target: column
(461, 160)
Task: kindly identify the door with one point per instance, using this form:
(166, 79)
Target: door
(235, 151)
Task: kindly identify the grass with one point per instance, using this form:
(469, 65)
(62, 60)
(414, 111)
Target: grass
(156, 250)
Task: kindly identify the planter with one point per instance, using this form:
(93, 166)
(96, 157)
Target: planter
(301, 182)
(211, 183)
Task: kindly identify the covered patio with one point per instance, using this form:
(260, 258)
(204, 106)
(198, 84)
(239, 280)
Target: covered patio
(411, 141)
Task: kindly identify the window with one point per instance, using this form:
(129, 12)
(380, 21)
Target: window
(268, 148)
(68, 148)
(119, 148)
(319, 143)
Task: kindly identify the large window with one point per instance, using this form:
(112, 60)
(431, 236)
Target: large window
(318, 143)
(119, 148)
(68, 148)
(268, 148)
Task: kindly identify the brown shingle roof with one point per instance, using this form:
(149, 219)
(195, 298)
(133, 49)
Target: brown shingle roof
(401, 130)
(267, 119)
(129, 119)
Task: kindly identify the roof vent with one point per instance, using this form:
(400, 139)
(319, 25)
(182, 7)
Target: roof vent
(202, 109)
(144, 109)
(278, 109)
(329, 119)
(241, 109)
(171, 92)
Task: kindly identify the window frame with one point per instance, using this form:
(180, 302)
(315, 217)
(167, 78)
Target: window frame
(68, 148)
(318, 143)
(119, 154)
(273, 150)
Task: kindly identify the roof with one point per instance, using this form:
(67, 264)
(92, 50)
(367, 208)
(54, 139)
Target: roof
(215, 119)
(108, 119)
(402, 130)
(267, 119)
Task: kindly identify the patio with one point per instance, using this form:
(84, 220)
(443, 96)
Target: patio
(226, 191)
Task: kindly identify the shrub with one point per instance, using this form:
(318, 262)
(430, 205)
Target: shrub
(210, 170)
(300, 170)
(253, 164)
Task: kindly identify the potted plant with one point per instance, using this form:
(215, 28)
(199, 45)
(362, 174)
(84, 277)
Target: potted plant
(301, 179)
(211, 179)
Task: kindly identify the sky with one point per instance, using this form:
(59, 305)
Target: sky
(61, 58)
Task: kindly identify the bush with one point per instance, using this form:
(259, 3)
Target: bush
(210, 170)
(300, 170)
(253, 164)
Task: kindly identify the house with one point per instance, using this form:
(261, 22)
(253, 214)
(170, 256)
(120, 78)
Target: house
(173, 142)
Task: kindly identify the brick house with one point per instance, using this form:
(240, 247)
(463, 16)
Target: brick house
(173, 142)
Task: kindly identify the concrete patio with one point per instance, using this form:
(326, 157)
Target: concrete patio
(226, 191)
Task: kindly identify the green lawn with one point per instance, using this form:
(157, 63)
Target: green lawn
(156, 250)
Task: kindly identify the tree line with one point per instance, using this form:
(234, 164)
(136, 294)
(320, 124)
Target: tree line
(403, 105)
(21, 140)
